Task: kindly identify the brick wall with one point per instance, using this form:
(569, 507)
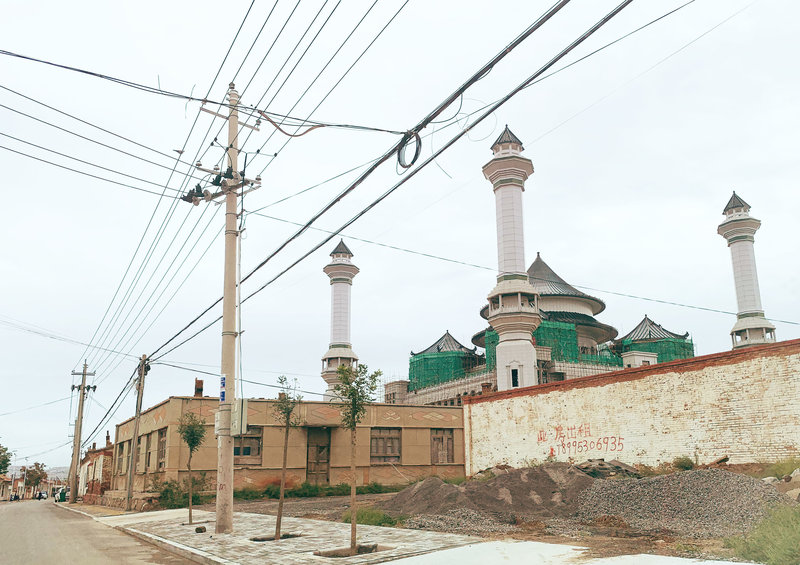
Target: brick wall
(744, 404)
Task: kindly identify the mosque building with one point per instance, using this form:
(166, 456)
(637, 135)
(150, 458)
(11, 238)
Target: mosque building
(540, 329)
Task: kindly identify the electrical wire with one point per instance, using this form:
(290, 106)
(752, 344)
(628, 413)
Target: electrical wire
(84, 173)
(95, 126)
(85, 162)
(35, 406)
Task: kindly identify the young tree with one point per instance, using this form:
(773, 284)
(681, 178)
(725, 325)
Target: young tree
(34, 476)
(284, 410)
(355, 389)
(192, 430)
(5, 459)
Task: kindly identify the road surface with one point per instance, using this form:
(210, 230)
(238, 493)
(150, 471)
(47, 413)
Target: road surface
(38, 531)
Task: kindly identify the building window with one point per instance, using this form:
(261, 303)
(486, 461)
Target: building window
(149, 446)
(248, 445)
(645, 362)
(120, 456)
(384, 446)
(514, 377)
(162, 448)
(441, 446)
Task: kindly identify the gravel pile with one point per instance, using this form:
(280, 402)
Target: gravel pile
(703, 503)
(459, 521)
(549, 490)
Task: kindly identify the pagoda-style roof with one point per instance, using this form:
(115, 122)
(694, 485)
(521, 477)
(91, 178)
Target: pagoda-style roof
(736, 202)
(342, 248)
(547, 283)
(445, 343)
(648, 330)
(581, 320)
(507, 137)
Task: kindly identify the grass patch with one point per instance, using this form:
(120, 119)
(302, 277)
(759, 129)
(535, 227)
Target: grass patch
(454, 480)
(248, 493)
(307, 490)
(683, 463)
(782, 468)
(372, 517)
(774, 541)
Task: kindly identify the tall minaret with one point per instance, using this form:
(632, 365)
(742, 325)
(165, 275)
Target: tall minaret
(513, 307)
(341, 272)
(751, 327)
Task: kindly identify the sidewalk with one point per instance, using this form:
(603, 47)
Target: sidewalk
(169, 530)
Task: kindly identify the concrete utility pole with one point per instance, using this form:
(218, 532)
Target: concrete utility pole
(230, 182)
(76, 444)
(134, 454)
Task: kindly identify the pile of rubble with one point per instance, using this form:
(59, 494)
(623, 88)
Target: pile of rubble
(701, 503)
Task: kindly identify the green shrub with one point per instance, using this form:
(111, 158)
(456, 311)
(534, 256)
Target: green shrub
(371, 517)
(342, 489)
(683, 463)
(176, 495)
(782, 468)
(454, 480)
(774, 541)
(303, 491)
(272, 491)
(248, 493)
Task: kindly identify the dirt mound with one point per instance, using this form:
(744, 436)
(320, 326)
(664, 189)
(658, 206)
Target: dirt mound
(703, 503)
(551, 489)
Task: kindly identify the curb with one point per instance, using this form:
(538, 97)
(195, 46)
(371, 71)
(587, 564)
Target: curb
(190, 553)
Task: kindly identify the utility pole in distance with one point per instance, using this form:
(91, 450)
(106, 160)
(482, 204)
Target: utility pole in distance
(230, 184)
(144, 367)
(76, 443)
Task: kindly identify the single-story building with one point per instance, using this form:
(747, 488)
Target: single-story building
(396, 444)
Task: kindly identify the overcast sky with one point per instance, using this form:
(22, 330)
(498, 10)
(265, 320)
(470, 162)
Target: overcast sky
(636, 151)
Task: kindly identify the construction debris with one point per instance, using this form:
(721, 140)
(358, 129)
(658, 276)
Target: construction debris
(601, 469)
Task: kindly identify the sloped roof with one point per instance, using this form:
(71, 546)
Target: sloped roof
(547, 283)
(506, 137)
(342, 248)
(580, 320)
(445, 343)
(736, 202)
(649, 330)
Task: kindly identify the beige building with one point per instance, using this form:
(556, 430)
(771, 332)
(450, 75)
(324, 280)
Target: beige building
(396, 444)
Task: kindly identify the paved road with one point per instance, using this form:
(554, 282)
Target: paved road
(39, 532)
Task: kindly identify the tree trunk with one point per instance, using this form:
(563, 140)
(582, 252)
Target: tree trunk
(189, 466)
(353, 547)
(283, 482)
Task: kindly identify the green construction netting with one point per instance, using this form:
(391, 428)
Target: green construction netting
(430, 369)
(667, 349)
(491, 341)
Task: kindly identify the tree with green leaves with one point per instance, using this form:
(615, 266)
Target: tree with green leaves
(192, 430)
(355, 390)
(284, 410)
(34, 476)
(5, 459)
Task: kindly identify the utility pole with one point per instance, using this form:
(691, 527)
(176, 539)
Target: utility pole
(76, 443)
(144, 367)
(229, 182)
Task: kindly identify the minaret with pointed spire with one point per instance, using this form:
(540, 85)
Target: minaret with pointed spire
(341, 272)
(739, 229)
(513, 304)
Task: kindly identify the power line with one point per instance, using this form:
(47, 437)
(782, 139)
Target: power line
(36, 406)
(57, 337)
(243, 380)
(140, 189)
(85, 162)
(90, 124)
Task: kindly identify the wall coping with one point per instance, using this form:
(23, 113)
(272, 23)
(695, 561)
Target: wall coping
(637, 373)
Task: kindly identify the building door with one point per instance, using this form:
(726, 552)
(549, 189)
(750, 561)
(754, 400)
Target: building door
(319, 452)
